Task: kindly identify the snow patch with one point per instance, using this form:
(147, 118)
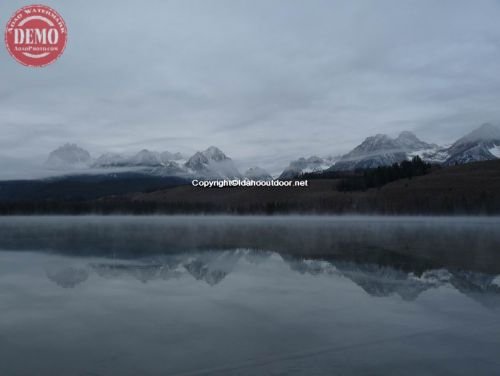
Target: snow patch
(495, 151)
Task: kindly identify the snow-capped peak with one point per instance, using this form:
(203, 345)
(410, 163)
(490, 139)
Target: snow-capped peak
(374, 144)
(197, 161)
(215, 154)
(212, 163)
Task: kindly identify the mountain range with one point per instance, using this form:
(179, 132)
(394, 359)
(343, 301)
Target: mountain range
(211, 163)
(482, 144)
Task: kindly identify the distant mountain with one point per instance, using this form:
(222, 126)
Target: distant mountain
(413, 146)
(257, 173)
(437, 155)
(68, 156)
(382, 150)
(379, 150)
(409, 142)
(306, 165)
(68, 277)
(212, 163)
(144, 158)
(375, 151)
(481, 144)
(110, 160)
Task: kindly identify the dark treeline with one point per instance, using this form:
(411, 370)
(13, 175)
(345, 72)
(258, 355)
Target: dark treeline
(454, 202)
(360, 180)
(84, 187)
(467, 189)
(380, 176)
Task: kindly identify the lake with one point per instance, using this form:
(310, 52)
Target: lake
(212, 295)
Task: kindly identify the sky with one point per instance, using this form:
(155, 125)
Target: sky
(266, 81)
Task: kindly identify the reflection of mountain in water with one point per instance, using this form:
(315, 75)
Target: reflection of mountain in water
(210, 267)
(202, 272)
(477, 286)
(213, 267)
(376, 280)
(68, 277)
(385, 281)
(141, 272)
(382, 281)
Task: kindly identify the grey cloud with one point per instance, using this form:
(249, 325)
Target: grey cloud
(265, 80)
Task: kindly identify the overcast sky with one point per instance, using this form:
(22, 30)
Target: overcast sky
(265, 80)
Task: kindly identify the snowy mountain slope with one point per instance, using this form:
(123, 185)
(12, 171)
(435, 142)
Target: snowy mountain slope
(212, 163)
(437, 155)
(375, 151)
(373, 145)
(495, 150)
(144, 158)
(306, 165)
(479, 145)
(382, 150)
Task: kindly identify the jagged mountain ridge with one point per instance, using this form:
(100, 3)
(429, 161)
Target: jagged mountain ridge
(374, 151)
(481, 144)
(382, 150)
(210, 163)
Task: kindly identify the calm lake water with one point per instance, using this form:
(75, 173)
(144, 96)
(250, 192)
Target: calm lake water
(92, 296)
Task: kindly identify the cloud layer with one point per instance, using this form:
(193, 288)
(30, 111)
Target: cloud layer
(265, 80)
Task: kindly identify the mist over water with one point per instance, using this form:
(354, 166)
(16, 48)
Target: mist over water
(249, 295)
(406, 242)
